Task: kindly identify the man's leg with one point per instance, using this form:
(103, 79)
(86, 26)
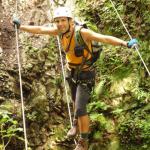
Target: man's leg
(83, 123)
(82, 98)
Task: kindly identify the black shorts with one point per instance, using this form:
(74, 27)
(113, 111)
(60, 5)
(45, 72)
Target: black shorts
(81, 85)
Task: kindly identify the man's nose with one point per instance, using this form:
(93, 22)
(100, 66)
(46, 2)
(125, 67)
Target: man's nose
(59, 23)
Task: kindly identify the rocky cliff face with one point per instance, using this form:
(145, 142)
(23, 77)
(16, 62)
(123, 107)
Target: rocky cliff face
(7, 35)
(45, 105)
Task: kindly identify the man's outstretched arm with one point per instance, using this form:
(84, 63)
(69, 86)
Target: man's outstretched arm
(93, 36)
(39, 29)
(35, 29)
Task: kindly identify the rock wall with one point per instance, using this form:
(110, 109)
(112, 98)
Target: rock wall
(44, 102)
(7, 35)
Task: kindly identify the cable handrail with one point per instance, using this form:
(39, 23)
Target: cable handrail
(20, 81)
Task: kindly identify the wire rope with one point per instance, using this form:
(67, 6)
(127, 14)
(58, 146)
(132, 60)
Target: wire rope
(20, 80)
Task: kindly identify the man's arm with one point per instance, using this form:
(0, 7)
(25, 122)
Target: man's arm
(89, 35)
(35, 29)
(39, 29)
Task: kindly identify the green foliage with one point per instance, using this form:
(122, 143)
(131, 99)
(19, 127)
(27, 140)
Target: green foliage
(138, 17)
(117, 111)
(141, 96)
(117, 64)
(99, 121)
(135, 131)
(40, 59)
(102, 14)
(32, 116)
(134, 127)
(99, 89)
(9, 128)
(97, 135)
(97, 106)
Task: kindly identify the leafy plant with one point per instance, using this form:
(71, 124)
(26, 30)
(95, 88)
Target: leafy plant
(32, 116)
(100, 120)
(135, 131)
(9, 127)
(97, 106)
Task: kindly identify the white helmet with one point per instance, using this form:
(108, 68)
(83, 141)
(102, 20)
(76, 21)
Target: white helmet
(62, 12)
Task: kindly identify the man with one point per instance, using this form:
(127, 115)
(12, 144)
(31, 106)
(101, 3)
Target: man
(81, 74)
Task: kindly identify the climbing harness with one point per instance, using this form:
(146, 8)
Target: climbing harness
(63, 71)
(20, 81)
(135, 46)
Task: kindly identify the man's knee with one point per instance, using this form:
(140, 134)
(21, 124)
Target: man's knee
(81, 112)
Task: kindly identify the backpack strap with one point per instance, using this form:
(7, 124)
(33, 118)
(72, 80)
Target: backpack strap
(78, 37)
(79, 42)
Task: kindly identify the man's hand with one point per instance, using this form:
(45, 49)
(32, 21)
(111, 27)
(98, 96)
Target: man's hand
(132, 43)
(17, 22)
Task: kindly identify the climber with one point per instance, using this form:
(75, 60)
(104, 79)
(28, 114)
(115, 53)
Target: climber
(80, 72)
